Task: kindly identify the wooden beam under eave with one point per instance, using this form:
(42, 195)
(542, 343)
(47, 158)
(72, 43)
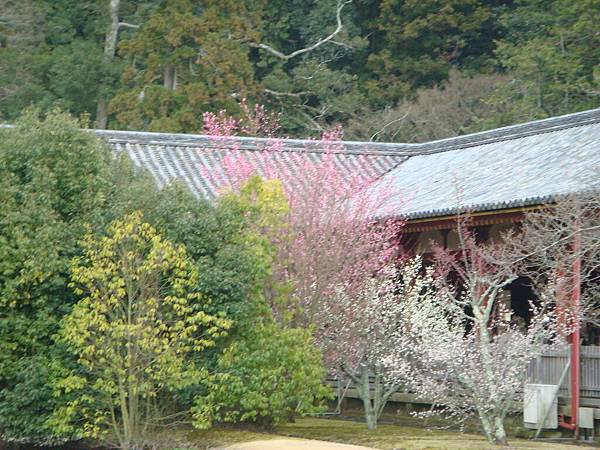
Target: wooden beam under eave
(479, 218)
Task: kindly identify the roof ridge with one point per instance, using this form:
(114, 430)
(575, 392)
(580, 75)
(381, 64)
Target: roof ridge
(509, 132)
(365, 150)
(359, 147)
(255, 143)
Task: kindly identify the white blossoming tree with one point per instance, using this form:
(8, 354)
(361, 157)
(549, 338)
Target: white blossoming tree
(457, 345)
(354, 327)
(563, 241)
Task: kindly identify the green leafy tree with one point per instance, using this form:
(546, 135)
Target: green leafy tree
(55, 54)
(551, 53)
(186, 58)
(160, 64)
(266, 377)
(415, 43)
(233, 263)
(268, 373)
(53, 180)
(264, 211)
(134, 332)
(318, 87)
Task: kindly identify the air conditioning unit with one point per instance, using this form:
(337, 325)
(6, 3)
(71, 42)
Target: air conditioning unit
(541, 404)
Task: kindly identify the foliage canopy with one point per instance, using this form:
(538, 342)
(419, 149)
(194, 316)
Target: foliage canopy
(160, 64)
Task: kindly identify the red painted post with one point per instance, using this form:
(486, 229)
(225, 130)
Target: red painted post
(575, 337)
(562, 309)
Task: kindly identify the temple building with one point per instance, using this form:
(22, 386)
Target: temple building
(496, 175)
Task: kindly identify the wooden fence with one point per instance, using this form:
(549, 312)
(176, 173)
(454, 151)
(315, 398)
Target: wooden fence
(548, 369)
(544, 370)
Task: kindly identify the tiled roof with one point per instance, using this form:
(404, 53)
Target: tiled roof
(198, 160)
(522, 165)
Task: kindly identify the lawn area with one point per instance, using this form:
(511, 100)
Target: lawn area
(389, 437)
(220, 436)
(386, 437)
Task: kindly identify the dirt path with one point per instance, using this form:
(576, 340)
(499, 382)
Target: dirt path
(294, 444)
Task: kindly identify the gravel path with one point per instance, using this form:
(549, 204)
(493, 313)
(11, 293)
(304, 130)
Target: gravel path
(294, 444)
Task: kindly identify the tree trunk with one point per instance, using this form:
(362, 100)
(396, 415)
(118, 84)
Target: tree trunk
(361, 380)
(368, 402)
(170, 78)
(487, 426)
(493, 427)
(371, 418)
(101, 113)
(372, 401)
(110, 47)
(499, 432)
(493, 423)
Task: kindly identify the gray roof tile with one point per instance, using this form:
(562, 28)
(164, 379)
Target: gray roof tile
(519, 170)
(197, 160)
(520, 165)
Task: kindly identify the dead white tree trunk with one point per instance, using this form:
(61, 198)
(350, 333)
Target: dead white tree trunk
(170, 77)
(110, 49)
(338, 16)
(110, 45)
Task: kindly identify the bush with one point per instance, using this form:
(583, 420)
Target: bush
(267, 378)
(55, 180)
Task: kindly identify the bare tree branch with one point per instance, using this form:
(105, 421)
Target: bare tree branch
(388, 124)
(312, 123)
(281, 55)
(128, 25)
(342, 44)
(286, 94)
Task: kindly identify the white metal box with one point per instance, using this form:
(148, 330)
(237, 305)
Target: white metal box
(541, 401)
(586, 418)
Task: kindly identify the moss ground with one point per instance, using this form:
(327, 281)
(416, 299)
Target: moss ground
(394, 436)
(405, 436)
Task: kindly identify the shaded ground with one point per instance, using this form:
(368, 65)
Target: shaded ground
(386, 437)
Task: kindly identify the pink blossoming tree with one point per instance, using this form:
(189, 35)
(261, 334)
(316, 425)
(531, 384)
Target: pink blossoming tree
(338, 250)
(335, 236)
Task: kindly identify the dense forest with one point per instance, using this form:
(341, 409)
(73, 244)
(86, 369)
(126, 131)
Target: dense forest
(386, 70)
